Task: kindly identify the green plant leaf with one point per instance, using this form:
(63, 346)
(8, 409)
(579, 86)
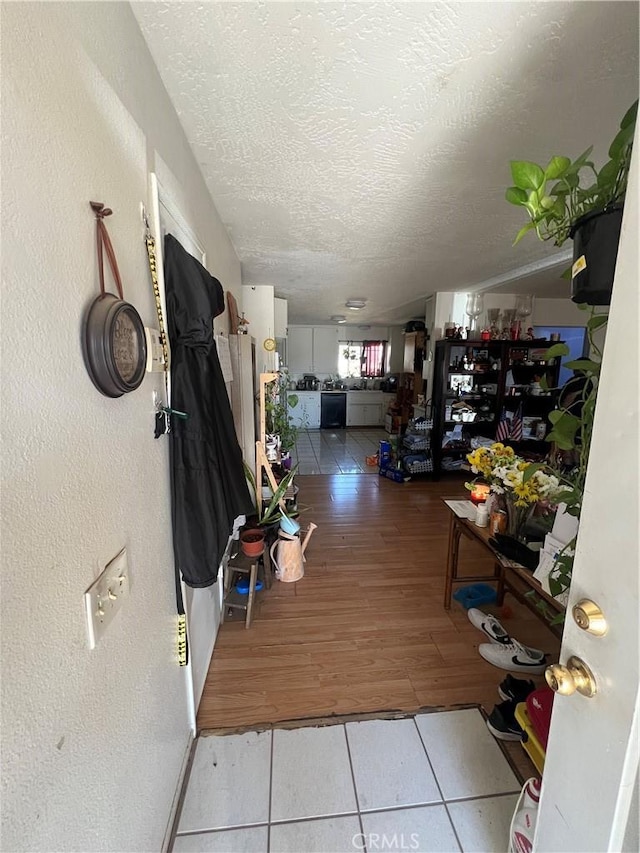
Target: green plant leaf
(585, 365)
(526, 175)
(557, 350)
(515, 195)
(567, 274)
(629, 117)
(530, 470)
(622, 139)
(547, 202)
(582, 160)
(293, 400)
(544, 382)
(608, 174)
(557, 167)
(268, 515)
(597, 321)
(528, 227)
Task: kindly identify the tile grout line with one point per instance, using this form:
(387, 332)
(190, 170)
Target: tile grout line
(355, 788)
(270, 791)
(444, 803)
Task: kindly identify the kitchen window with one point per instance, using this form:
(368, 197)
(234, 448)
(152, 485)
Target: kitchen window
(364, 359)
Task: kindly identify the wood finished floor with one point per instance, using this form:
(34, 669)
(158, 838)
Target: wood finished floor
(365, 630)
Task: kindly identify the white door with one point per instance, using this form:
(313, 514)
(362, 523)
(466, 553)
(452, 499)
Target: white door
(592, 757)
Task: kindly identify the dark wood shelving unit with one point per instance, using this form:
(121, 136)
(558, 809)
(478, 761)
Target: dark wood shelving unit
(496, 358)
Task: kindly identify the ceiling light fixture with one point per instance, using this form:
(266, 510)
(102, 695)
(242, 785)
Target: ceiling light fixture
(339, 318)
(355, 304)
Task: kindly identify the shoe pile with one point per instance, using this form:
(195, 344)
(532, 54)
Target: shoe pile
(504, 651)
(502, 721)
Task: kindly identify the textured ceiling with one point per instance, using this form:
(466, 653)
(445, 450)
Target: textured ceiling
(361, 150)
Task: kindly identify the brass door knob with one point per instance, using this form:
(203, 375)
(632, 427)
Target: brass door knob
(575, 676)
(588, 616)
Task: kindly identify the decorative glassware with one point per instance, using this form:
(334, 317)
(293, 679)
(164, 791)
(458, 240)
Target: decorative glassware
(524, 309)
(474, 308)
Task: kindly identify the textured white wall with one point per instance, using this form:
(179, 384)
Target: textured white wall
(92, 742)
(558, 312)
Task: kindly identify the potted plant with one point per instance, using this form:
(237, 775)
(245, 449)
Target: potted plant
(572, 428)
(560, 207)
(270, 513)
(279, 421)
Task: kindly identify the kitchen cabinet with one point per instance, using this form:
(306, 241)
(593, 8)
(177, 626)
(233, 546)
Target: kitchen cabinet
(300, 349)
(312, 349)
(280, 317)
(306, 414)
(367, 408)
(367, 414)
(325, 349)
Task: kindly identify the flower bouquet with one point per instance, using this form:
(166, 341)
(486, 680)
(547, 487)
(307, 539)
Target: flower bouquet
(521, 490)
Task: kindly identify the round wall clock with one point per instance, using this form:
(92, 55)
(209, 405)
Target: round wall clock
(269, 344)
(114, 343)
(115, 346)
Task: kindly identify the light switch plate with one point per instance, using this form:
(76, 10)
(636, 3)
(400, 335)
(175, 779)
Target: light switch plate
(104, 597)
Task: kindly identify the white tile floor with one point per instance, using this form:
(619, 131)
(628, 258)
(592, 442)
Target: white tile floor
(436, 782)
(340, 451)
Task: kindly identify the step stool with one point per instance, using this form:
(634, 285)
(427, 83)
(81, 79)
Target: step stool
(241, 565)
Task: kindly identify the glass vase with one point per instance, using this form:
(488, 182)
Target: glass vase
(517, 516)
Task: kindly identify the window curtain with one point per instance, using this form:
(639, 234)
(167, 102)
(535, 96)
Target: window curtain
(373, 358)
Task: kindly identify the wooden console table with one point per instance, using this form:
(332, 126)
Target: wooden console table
(507, 574)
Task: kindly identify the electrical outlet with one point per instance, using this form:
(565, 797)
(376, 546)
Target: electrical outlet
(104, 597)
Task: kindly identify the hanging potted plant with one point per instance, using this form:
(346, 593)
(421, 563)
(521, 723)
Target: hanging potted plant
(560, 207)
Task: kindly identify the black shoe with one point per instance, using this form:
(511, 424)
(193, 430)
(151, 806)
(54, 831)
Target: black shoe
(515, 688)
(502, 722)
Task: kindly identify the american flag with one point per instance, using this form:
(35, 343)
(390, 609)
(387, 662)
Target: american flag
(503, 431)
(516, 425)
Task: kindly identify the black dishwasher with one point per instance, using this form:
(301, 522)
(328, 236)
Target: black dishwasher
(333, 410)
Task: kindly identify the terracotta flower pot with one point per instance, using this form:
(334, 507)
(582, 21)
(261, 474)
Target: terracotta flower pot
(252, 542)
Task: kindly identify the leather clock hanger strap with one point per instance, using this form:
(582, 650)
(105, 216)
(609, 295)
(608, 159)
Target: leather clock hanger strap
(104, 245)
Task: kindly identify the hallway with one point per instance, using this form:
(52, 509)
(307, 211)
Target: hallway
(365, 630)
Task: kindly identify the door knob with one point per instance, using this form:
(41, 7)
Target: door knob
(576, 675)
(588, 616)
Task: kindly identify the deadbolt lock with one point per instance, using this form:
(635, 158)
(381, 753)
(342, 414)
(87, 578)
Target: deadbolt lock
(575, 676)
(588, 616)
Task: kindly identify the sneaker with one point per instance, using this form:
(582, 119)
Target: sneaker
(489, 626)
(502, 722)
(514, 657)
(515, 688)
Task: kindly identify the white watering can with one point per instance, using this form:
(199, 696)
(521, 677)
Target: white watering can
(290, 561)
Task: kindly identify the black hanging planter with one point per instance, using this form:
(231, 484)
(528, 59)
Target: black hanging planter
(595, 249)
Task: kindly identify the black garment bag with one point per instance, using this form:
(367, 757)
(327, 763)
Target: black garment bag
(209, 489)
